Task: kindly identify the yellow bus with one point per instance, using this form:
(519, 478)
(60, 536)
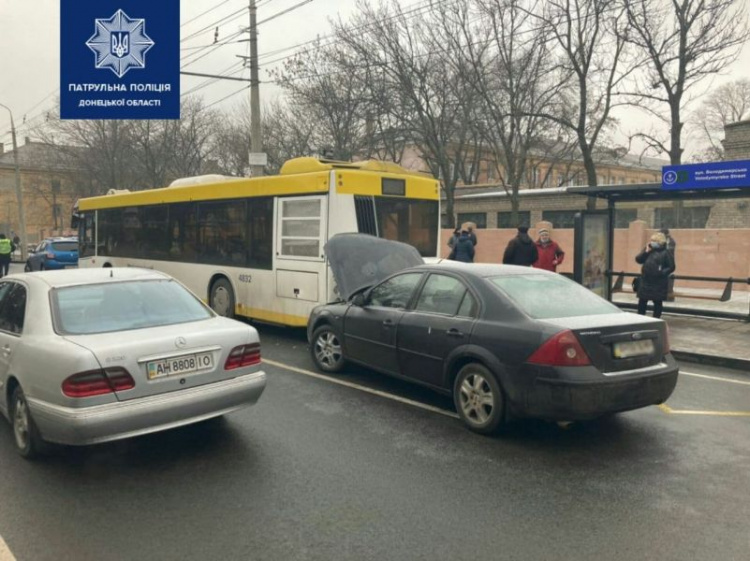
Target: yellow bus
(253, 247)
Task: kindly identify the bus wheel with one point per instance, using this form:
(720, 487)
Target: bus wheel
(221, 299)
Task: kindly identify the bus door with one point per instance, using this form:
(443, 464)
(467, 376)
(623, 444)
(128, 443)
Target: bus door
(301, 276)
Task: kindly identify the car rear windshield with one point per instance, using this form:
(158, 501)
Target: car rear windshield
(552, 296)
(120, 306)
(65, 246)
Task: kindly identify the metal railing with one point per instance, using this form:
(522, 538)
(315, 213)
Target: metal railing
(726, 295)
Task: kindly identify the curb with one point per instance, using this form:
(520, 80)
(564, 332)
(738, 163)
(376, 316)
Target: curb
(740, 364)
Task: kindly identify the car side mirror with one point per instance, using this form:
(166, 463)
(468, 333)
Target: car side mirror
(359, 300)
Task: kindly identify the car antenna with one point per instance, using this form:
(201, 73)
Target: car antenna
(111, 273)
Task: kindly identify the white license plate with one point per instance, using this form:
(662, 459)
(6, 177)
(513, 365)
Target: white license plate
(628, 349)
(184, 364)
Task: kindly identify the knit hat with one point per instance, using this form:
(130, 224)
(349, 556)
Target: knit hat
(543, 231)
(523, 229)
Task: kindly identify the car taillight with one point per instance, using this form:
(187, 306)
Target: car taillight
(98, 382)
(562, 349)
(244, 355)
(50, 256)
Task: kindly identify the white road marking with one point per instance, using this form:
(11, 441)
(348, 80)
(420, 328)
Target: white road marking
(717, 378)
(5, 554)
(362, 388)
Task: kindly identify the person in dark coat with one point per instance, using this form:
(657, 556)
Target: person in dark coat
(657, 265)
(454, 237)
(521, 250)
(463, 249)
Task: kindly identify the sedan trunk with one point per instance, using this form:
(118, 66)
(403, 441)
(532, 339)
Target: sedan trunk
(167, 358)
(619, 342)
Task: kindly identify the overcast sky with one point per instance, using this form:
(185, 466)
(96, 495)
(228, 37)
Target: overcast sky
(29, 50)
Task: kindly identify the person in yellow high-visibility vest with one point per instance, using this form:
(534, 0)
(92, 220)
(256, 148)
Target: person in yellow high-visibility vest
(6, 249)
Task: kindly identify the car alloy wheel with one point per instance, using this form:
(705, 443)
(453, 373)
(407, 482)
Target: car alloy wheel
(28, 442)
(479, 399)
(326, 349)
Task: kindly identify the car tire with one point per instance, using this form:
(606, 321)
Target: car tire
(222, 299)
(27, 267)
(326, 349)
(25, 434)
(479, 399)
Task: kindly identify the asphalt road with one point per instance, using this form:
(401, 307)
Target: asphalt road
(320, 470)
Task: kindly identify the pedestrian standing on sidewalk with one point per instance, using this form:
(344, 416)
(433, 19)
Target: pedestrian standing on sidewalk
(521, 250)
(6, 249)
(463, 249)
(657, 265)
(550, 254)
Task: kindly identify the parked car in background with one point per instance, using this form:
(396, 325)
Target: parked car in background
(504, 341)
(53, 253)
(94, 355)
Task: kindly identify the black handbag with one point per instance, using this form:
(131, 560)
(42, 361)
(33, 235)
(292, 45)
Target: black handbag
(636, 284)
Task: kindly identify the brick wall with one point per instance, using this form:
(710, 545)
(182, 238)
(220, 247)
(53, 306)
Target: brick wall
(737, 141)
(726, 213)
(709, 252)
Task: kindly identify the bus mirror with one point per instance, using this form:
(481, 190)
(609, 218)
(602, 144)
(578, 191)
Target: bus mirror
(74, 222)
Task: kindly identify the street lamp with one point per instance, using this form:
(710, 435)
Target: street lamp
(19, 192)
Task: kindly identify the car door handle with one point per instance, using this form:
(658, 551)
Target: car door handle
(454, 332)
(388, 322)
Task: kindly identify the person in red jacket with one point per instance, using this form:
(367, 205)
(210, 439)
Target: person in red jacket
(550, 254)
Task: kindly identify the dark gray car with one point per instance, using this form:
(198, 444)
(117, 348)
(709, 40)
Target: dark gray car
(504, 341)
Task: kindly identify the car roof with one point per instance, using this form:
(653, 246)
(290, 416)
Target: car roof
(76, 277)
(483, 269)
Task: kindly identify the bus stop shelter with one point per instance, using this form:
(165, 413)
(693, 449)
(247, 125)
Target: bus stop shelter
(594, 232)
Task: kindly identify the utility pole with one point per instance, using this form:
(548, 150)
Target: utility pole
(19, 192)
(256, 135)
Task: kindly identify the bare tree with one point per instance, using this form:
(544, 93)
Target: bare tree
(727, 104)
(289, 132)
(590, 37)
(322, 81)
(428, 97)
(101, 150)
(511, 66)
(684, 41)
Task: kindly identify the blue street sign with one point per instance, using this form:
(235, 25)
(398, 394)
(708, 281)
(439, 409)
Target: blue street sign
(119, 59)
(713, 175)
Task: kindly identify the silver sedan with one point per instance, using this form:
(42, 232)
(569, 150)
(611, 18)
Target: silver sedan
(94, 355)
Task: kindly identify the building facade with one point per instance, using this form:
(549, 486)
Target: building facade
(48, 187)
(737, 141)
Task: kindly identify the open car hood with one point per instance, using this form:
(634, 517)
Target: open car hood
(361, 260)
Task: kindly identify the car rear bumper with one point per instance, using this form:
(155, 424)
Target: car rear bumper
(53, 264)
(577, 400)
(115, 421)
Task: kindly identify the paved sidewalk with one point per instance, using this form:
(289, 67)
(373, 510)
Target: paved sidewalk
(711, 341)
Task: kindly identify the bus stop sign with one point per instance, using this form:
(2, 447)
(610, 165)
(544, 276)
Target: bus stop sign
(712, 175)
